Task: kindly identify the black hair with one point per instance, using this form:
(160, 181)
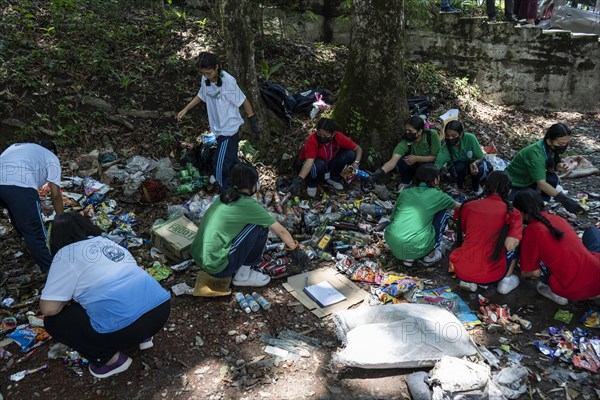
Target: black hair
(243, 176)
(426, 173)
(210, 60)
(456, 126)
(497, 182)
(69, 228)
(530, 202)
(416, 122)
(554, 132)
(47, 144)
(327, 124)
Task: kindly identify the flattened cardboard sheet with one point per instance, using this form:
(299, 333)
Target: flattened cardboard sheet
(296, 284)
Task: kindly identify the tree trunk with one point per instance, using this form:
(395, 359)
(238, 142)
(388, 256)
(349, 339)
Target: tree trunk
(371, 106)
(239, 51)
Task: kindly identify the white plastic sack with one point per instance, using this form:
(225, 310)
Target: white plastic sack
(458, 375)
(399, 336)
(512, 381)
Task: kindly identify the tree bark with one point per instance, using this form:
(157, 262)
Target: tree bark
(239, 51)
(371, 106)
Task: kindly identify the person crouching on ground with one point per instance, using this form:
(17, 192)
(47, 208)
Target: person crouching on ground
(489, 231)
(97, 300)
(463, 156)
(419, 219)
(552, 253)
(418, 146)
(534, 167)
(325, 154)
(233, 233)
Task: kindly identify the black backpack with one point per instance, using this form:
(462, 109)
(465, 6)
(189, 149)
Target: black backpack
(277, 99)
(305, 100)
(418, 105)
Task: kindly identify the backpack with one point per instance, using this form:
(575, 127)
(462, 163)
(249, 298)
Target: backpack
(418, 105)
(277, 99)
(304, 100)
(200, 156)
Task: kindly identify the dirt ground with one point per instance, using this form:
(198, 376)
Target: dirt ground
(196, 356)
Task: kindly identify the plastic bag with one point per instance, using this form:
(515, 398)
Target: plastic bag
(165, 173)
(140, 164)
(399, 336)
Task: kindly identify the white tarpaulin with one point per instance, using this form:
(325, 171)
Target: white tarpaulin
(399, 336)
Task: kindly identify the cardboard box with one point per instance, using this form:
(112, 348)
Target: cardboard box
(174, 238)
(296, 284)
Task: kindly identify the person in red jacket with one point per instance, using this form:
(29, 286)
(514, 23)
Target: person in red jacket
(489, 231)
(567, 268)
(325, 154)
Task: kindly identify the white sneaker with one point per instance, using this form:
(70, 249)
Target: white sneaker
(434, 257)
(311, 191)
(146, 344)
(470, 286)
(545, 291)
(507, 284)
(246, 276)
(335, 185)
(408, 263)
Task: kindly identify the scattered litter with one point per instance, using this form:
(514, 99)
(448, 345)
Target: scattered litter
(16, 377)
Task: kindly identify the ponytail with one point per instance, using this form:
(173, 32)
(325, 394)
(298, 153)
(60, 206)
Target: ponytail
(528, 201)
(499, 182)
(230, 195)
(243, 176)
(556, 233)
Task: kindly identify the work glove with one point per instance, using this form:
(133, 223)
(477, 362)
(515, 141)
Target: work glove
(375, 177)
(295, 186)
(253, 121)
(299, 257)
(569, 204)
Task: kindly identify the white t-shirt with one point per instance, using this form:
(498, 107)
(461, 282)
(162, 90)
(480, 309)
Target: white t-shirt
(223, 105)
(29, 165)
(105, 280)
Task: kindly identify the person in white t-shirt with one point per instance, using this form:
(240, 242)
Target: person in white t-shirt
(97, 300)
(24, 168)
(223, 98)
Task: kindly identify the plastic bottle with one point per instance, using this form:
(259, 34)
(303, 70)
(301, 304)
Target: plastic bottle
(185, 188)
(252, 303)
(372, 209)
(241, 300)
(264, 303)
(331, 217)
(324, 255)
(362, 174)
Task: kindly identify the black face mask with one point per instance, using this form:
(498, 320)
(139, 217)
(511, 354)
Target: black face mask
(452, 142)
(323, 140)
(410, 137)
(560, 149)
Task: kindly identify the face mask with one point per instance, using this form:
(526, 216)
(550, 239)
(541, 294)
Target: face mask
(410, 137)
(323, 140)
(560, 149)
(453, 141)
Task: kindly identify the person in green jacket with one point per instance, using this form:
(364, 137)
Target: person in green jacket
(419, 219)
(418, 146)
(535, 167)
(233, 233)
(462, 155)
